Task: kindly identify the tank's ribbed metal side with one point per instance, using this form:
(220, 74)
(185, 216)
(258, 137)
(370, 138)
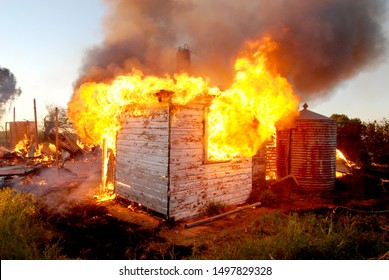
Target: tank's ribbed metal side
(308, 151)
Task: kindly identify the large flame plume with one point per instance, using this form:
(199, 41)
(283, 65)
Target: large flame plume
(96, 108)
(240, 118)
(243, 117)
(314, 47)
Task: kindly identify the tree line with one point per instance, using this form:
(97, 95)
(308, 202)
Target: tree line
(363, 142)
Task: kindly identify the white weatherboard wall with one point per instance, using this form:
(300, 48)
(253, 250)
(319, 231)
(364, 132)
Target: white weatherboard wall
(142, 160)
(160, 163)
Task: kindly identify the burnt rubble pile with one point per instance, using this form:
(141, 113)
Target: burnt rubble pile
(43, 170)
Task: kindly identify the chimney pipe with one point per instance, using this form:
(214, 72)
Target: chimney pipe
(183, 59)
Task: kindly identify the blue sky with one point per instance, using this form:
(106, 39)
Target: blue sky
(42, 43)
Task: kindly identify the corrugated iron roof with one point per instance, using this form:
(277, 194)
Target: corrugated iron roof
(306, 114)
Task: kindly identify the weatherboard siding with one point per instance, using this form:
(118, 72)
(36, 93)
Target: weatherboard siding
(161, 164)
(142, 160)
(193, 182)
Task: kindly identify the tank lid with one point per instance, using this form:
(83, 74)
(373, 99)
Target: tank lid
(306, 114)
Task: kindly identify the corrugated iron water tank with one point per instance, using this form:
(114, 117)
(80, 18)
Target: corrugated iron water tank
(308, 151)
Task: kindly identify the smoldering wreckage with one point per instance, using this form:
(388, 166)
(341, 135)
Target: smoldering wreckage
(55, 171)
(175, 142)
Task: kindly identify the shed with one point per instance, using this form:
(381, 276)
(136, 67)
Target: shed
(161, 163)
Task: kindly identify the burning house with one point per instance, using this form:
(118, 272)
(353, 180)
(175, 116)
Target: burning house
(162, 163)
(181, 148)
(162, 160)
(175, 139)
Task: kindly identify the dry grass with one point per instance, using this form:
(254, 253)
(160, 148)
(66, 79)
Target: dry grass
(24, 234)
(306, 236)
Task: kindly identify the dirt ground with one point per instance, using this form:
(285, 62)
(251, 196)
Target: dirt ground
(113, 229)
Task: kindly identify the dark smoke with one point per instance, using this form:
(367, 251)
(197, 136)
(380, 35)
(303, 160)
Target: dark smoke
(8, 90)
(326, 42)
(321, 43)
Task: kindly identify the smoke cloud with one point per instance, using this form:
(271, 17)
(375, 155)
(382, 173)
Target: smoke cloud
(320, 43)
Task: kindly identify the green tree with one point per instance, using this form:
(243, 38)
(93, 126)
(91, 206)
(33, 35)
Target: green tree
(376, 140)
(350, 137)
(8, 90)
(64, 124)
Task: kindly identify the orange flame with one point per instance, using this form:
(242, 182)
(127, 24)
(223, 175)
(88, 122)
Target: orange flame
(244, 117)
(96, 108)
(23, 145)
(239, 120)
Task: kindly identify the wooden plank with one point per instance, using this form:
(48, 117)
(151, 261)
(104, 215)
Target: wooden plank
(154, 150)
(195, 168)
(199, 103)
(204, 198)
(151, 158)
(145, 124)
(162, 116)
(146, 183)
(150, 137)
(187, 137)
(133, 176)
(211, 188)
(177, 154)
(147, 190)
(142, 143)
(162, 131)
(212, 182)
(177, 146)
(158, 205)
(153, 182)
(157, 167)
(142, 160)
(160, 168)
(122, 143)
(186, 131)
(228, 199)
(158, 171)
(18, 169)
(185, 158)
(188, 115)
(188, 111)
(221, 195)
(196, 174)
(193, 124)
(154, 113)
(150, 155)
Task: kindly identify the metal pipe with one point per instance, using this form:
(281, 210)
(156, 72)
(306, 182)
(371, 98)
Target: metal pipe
(217, 217)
